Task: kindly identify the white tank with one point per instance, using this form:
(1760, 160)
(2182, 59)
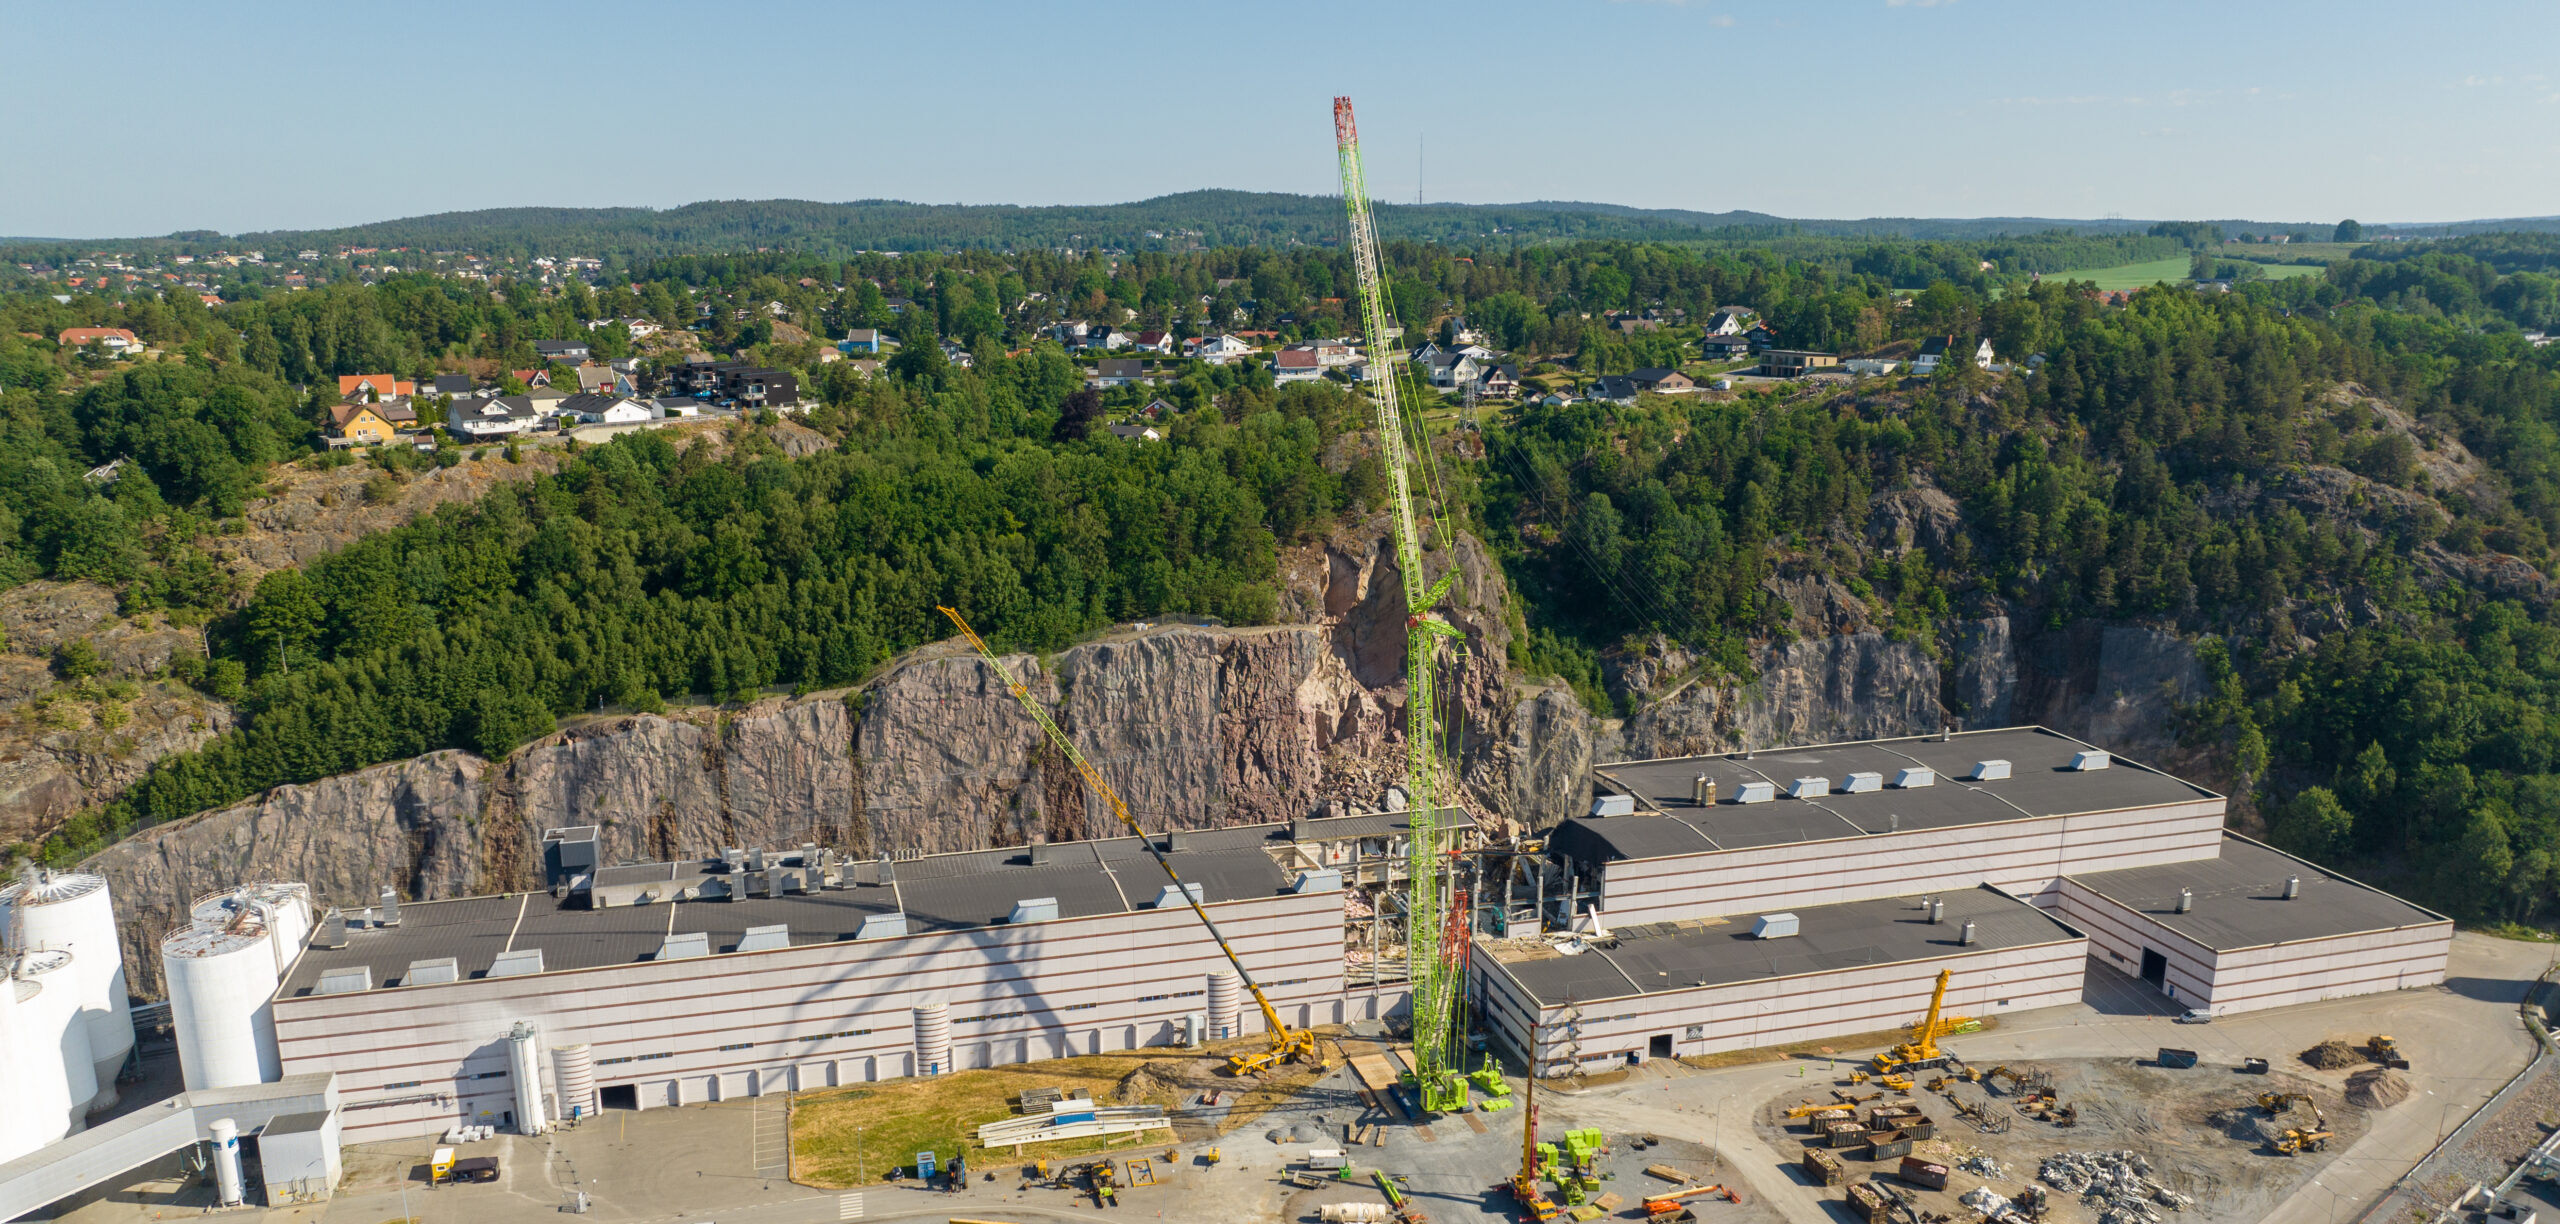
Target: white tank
(575, 1066)
(286, 908)
(933, 1038)
(74, 912)
(222, 985)
(48, 993)
(524, 1067)
(226, 1161)
(1226, 1001)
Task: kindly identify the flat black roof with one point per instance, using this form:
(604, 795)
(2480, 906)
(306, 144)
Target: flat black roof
(2239, 898)
(2041, 782)
(940, 892)
(1718, 951)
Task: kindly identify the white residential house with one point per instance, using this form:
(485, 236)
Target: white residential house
(496, 417)
(1938, 348)
(1297, 363)
(1451, 369)
(1725, 323)
(1154, 342)
(1869, 367)
(1333, 354)
(1136, 433)
(1219, 349)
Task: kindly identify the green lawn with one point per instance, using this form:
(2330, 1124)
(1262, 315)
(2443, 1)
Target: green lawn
(2131, 276)
(2281, 271)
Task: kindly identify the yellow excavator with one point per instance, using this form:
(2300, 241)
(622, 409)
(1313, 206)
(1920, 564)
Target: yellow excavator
(2275, 1103)
(1922, 1052)
(1288, 1045)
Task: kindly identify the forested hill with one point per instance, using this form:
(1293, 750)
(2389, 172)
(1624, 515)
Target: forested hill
(1182, 221)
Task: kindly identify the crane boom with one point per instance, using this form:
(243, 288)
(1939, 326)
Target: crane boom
(1287, 1044)
(1432, 972)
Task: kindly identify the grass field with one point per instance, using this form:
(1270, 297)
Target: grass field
(2282, 271)
(2131, 276)
(848, 1137)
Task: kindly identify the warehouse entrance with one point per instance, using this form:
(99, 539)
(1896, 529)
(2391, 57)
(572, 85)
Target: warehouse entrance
(1661, 1045)
(2155, 968)
(619, 1096)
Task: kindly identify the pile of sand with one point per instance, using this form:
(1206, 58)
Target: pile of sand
(2333, 1054)
(2377, 1088)
(1150, 1081)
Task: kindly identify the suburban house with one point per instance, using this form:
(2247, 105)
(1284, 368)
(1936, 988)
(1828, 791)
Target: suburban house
(1657, 378)
(861, 340)
(1616, 389)
(1557, 399)
(1761, 337)
(1296, 363)
(1869, 367)
(957, 357)
(669, 407)
(1794, 363)
(1332, 354)
(1105, 337)
(1725, 347)
(1157, 410)
(113, 339)
(748, 387)
(1120, 372)
(382, 386)
(1460, 331)
(1499, 381)
(605, 409)
(640, 329)
(1937, 348)
(1451, 369)
(1136, 433)
(359, 425)
(561, 350)
(1155, 342)
(458, 386)
(1724, 323)
(495, 417)
(597, 377)
(1217, 350)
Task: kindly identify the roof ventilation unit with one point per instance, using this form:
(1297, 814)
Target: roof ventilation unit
(1990, 771)
(1862, 782)
(1037, 909)
(1808, 788)
(390, 908)
(765, 938)
(520, 962)
(332, 931)
(1301, 829)
(1964, 935)
(434, 972)
(1613, 805)
(1702, 790)
(2186, 900)
(684, 945)
(882, 926)
(345, 981)
(1893, 822)
(1773, 926)
(1755, 792)
(1170, 896)
(755, 858)
(1937, 911)
(1913, 777)
(1325, 879)
(1040, 854)
(2089, 759)
(2292, 887)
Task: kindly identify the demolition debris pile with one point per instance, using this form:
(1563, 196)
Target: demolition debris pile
(2117, 1185)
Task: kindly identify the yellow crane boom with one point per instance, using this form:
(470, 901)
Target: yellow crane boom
(1287, 1044)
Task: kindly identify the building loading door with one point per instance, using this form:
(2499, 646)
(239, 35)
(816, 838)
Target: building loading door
(2155, 968)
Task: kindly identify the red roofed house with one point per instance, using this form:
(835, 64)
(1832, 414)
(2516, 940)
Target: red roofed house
(211, 299)
(113, 339)
(383, 386)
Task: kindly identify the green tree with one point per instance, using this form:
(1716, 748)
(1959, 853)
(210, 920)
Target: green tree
(2349, 230)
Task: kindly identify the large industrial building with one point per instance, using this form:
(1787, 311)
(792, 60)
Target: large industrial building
(1716, 903)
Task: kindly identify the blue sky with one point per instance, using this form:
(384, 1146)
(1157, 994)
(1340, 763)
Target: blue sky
(262, 114)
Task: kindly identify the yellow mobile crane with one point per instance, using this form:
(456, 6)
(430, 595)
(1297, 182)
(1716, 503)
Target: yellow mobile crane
(1922, 1050)
(1288, 1045)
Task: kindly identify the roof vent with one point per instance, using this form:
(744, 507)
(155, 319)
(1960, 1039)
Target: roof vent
(1040, 854)
(1809, 788)
(2090, 759)
(1170, 896)
(1990, 771)
(434, 972)
(345, 981)
(1613, 805)
(1178, 840)
(1755, 792)
(765, 938)
(517, 963)
(332, 931)
(390, 908)
(882, 926)
(755, 858)
(1937, 911)
(1301, 829)
(684, 945)
(1913, 777)
(1322, 880)
(1773, 926)
(1862, 782)
(1034, 909)
(1964, 935)
(2186, 900)
(1702, 790)
(1893, 822)
(2292, 887)
(734, 858)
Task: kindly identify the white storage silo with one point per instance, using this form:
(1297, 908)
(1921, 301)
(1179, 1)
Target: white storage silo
(285, 908)
(222, 983)
(575, 1067)
(933, 1038)
(226, 1161)
(1226, 1003)
(74, 912)
(524, 1067)
(48, 993)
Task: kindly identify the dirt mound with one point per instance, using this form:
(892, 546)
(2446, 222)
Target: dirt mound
(2377, 1088)
(1155, 1081)
(2332, 1055)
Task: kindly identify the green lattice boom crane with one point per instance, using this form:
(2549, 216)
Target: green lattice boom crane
(1288, 1045)
(1439, 1067)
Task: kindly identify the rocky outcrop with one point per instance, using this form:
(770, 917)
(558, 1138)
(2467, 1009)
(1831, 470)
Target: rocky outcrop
(41, 617)
(74, 754)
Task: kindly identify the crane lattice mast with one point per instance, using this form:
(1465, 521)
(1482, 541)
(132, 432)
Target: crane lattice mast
(1438, 1067)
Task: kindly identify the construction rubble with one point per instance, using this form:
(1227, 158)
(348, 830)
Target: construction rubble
(2117, 1185)
(1983, 1167)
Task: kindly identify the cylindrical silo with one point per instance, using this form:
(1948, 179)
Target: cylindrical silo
(524, 1068)
(50, 1016)
(222, 983)
(933, 1038)
(574, 1065)
(20, 1126)
(1226, 1000)
(283, 908)
(75, 913)
(226, 1160)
